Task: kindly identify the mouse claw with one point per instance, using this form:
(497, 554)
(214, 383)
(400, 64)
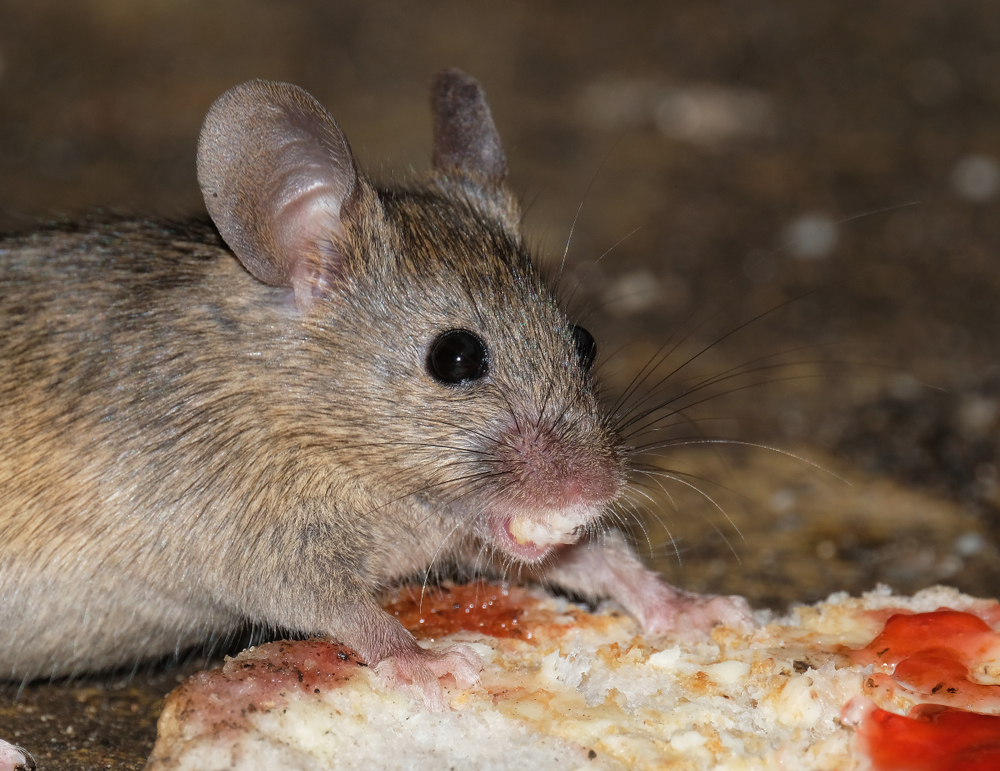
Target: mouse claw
(14, 758)
(423, 670)
(688, 614)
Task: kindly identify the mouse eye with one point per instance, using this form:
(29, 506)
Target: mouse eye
(457, 356)
(586, 348)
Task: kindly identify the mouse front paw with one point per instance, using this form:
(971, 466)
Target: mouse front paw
(668, 609)
(422, 670)
(608, 568)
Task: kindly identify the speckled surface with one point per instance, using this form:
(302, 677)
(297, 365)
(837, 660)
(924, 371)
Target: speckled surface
(101, 723)
(696, 136)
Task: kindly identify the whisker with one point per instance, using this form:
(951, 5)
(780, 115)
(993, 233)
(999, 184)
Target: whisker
(712, 501)
(741, 443)
(663, 353)
(586, 193)
(652, 512)
(679, 409)
(608, 251)
(747, 367)
(433, 561)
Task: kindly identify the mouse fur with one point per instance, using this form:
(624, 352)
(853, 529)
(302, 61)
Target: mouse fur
(202, 426)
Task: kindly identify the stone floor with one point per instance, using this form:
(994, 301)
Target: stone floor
(801, 197)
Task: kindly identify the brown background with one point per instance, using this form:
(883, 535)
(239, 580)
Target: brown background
(693, 134)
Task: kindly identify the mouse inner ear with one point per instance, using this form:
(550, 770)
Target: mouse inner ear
(276, 172)
(465, 139)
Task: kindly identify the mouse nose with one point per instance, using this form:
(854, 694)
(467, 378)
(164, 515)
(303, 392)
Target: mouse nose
(548, 468)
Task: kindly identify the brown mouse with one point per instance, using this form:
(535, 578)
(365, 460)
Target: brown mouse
(379, 385)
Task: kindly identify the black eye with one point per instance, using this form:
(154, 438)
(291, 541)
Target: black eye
(457, 356)
(586, 348)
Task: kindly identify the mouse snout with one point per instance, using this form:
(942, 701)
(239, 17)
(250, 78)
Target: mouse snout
(549, 468)
(554, 481)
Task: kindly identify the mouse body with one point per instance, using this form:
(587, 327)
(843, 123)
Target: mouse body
(337, 387)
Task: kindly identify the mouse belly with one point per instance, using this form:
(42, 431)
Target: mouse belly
(54, 626)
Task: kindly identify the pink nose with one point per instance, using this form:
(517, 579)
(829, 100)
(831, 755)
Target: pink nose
(547, 470)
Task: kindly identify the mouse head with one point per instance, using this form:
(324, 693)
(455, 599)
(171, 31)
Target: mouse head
(443, 347)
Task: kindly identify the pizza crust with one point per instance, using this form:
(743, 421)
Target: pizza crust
(562, 688)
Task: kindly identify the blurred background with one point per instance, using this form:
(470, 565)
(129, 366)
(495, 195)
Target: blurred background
(783, 217)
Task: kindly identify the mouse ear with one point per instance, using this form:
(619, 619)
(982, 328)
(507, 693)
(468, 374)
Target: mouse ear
(276, 171)
(465, 138)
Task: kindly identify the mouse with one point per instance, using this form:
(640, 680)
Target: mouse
(272, 417)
